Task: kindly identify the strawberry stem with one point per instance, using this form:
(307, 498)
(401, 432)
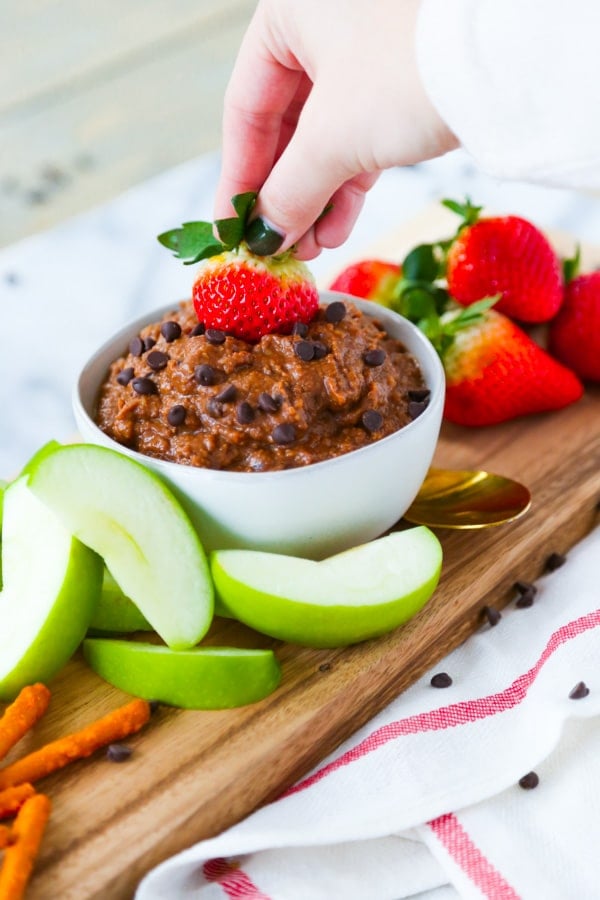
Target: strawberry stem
(571, 265)
(196, 240)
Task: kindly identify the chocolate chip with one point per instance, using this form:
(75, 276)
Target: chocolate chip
(580, 691)
(324, 667)
(149, 343)
(284, 433)
(492, 614)
(245, 413)
(214, 408)
(157, 360)
(305, 350)
(555, 561)
(321, 349)
(267, 403)
(228, 394)
(529, 781)
(170, 331)
(300, 329)
(118, 752)
(176, 415)
(371, 420)
(125, 375)
(335, 312)
(441, 680)
(419, 394)
(198, 330)
(144, 386)
(154, 706)
(214, 336)
(416, 407)
(11, 278)
(374, 357)
(526, 593)
(205, 375)
(136, 346)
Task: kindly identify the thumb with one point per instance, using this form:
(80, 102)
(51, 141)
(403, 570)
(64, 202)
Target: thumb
(307, 174)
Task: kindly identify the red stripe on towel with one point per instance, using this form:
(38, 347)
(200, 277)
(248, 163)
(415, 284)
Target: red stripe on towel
(232, 879)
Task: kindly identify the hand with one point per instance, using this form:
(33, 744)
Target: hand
(323, 97)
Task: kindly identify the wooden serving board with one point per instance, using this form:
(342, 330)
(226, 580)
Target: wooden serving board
(195, 773)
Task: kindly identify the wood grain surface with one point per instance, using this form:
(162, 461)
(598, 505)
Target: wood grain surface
(195, 773)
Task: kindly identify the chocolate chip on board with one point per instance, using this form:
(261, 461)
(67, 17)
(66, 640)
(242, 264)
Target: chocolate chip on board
(136, 346)
(144, 386)
(205, 375)
(176, 415)
(118, 752)
(335, 312)
(125, 376)
(529, 781)
(441, 680)
(371, 420)
(492, 615)
(580, 691)
(170, 331)
(554, 562)
(374, 358)
(157, 360)
(284, 433)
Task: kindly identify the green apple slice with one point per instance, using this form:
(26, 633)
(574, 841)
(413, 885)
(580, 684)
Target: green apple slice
(355, 595)
(201, 678)
(115, 612)
(128, 515)
(51, 586)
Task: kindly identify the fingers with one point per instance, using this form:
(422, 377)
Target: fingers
(333, 229)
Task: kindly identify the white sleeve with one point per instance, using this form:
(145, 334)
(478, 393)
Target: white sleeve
(518, 82)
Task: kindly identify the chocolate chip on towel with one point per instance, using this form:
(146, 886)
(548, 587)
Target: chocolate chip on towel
(529, 781)
(492, 614)
(555, 561)
(441, 680)
(580, 691)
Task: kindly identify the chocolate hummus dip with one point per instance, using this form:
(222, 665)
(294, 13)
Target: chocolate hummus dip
(203, 398)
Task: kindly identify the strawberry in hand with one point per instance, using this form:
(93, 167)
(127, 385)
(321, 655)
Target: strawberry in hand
(503, 255)
(371, 279)
(235, 291)
(574, 335)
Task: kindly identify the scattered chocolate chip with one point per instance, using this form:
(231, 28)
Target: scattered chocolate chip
(205, 375)
(529, 781)
(214, 408)
(157, 360)
(419, 394)
(374, 358)
(198, 330)
(36, 196)
(228, 394)
(154, 706)
(371, 420)
(300, 329)
(526, 593)
(554, 562)
(335, 312)
(305, 350)
(320, 350)
(170, 331)
(441, 680)
(149, 343)
(580, 691)
(492, 615)
(144, 386)
(267, 403)
(416, 407)
(11, 278)
(118, 752)
(214, 336)
(324, 667)
(136, 346)
(125, 375)
(245, 413)
(176, 415)
(53, 174)
(284, 433)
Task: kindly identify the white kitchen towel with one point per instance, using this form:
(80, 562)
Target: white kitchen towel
(425, 800)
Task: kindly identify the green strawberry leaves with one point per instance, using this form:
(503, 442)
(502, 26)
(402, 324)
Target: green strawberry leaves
(571, 266)
(196, 240)
(467, 211)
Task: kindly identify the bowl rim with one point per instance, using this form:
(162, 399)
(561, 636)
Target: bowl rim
(369, 307)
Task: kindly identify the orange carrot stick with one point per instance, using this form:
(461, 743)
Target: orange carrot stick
(22, 714)
(111, 728)
(26, 837)
(5, 836)
(13, 798)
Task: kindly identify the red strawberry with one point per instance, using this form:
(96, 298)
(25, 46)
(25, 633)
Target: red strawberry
(237, 291)
(495, 372)
(372, 279)
(574, 336)
(507, 256)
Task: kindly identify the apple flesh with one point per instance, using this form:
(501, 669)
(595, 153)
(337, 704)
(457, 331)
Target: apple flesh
(127, 515)
(115, 612)
(51, 586)
(355, 595)
(201, 678)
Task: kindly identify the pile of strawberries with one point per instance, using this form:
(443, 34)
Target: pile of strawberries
(475, 295)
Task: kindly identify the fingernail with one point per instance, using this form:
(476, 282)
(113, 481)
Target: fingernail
(262, 238)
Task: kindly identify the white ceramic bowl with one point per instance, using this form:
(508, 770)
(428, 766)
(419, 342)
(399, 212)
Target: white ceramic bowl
(312, 511)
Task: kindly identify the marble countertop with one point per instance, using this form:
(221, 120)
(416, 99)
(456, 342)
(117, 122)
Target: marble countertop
(65, 291)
